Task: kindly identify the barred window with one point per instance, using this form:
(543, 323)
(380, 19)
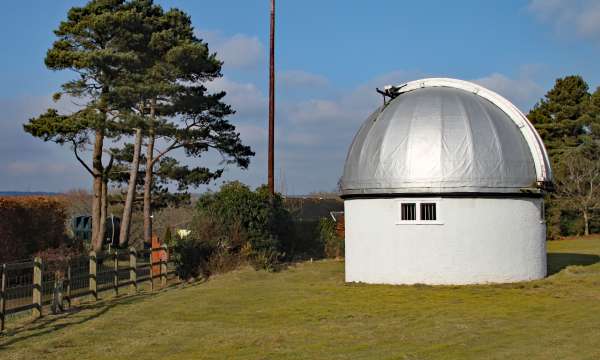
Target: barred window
(408, 211)
(428, 211)
(415, 211)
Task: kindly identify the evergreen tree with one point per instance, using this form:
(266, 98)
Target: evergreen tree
(140, 73)
(93, 43)
(135, 97)
(591, 119)
(165, 90)
(560, 118)
(168, 174)
(568, 120)
(182, 113)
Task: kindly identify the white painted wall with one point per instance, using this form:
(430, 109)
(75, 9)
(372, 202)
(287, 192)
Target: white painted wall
(481, 240)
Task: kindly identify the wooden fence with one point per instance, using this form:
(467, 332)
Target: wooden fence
(31, 285)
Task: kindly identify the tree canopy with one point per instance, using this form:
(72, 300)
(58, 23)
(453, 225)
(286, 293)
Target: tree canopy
(563, 117)
(141, 71)
(568, 120)
(95, 43)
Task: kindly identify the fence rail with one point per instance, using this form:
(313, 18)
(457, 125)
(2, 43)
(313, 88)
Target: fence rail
(37, 285)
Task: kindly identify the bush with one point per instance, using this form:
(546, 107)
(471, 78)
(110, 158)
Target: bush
(306, 242)
(235, 206)
(29, 225)
(232, 226)
(209, 249)
(191, 258)
(242, 217)
(332, 243)
(266, 259)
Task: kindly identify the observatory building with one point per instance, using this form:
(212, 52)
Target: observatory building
(443, 184)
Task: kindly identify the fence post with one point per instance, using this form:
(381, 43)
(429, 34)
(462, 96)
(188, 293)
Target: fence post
(37, 287)
(68, 289)
(93, 262)
(163, 265)
(116, 272)
(2, 297)
(132, 271)
(151, 269)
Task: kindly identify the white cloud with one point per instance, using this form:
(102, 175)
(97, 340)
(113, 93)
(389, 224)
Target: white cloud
(581, 17)
(301, 79)
(315, 111)
(302, 139)
(28, 163)
(522, 91)
(245, 98)
(239, 51)
(312, 133)
(29, 168)
(252, 134)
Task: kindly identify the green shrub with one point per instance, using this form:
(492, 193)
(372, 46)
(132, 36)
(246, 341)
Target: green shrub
(306, 242)
(266, 224)
(232, 226)
(332, 243)
(266, 259)
(191, 258)
(194, 253)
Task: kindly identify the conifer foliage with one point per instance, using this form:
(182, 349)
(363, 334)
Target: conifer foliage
(141, 73)
(568, 120)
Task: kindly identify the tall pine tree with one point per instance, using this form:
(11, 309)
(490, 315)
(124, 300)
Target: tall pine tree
(92, 42)
(141, 72)
(182, 113)
(560, 117)
(568, 120)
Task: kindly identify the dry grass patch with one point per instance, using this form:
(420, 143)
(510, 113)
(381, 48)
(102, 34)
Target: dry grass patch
(308, 312)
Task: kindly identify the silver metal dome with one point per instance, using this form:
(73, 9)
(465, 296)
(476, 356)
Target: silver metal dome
(436, 136)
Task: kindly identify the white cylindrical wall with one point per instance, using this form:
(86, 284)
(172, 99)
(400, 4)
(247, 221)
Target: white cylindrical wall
(479, 240)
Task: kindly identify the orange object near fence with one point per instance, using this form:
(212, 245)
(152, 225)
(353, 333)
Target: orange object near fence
(158, 256)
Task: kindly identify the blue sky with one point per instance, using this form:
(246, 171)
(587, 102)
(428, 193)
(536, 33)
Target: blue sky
(330, 57)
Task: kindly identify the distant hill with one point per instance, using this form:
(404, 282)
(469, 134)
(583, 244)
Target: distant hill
(26, 193)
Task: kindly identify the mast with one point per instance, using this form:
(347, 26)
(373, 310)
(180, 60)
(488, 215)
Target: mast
(271, 166)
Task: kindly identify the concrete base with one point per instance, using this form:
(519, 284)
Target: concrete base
(478, 240)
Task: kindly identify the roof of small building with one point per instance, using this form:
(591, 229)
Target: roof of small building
(446, 136)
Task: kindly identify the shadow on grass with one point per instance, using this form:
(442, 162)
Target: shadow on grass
(50, 323)
(559, 261)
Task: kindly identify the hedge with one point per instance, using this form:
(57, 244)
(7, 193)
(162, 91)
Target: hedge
(30, 224)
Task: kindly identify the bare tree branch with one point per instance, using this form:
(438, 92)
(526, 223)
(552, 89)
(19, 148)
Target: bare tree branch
(80, 159)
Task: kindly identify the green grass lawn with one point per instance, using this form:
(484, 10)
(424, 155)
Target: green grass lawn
(307, 312)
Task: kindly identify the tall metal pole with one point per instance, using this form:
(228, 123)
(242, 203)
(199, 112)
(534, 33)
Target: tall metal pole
(271, 165)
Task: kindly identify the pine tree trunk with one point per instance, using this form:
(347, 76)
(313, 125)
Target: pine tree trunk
(133, 172)
(98, 170)
(103, 210)
(148, 189)
(586, 221)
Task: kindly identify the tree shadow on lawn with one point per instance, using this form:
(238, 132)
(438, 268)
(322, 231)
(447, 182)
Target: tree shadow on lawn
(559, 261)
(49, 323)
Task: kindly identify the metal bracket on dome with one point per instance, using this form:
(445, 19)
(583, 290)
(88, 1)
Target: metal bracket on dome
(390, 91)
